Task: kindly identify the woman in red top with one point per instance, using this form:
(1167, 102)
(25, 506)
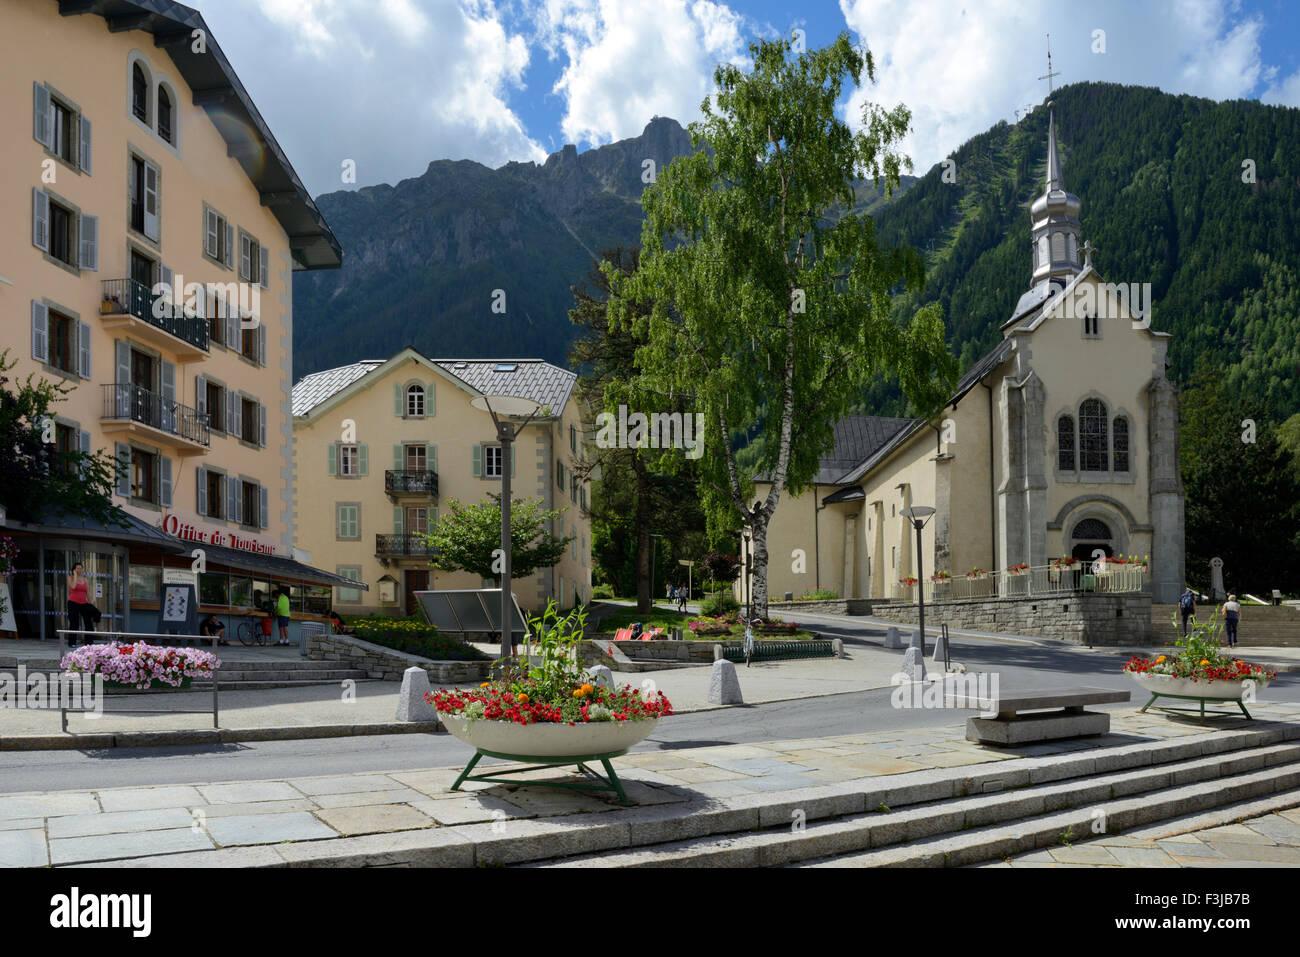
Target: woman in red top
(81, 613)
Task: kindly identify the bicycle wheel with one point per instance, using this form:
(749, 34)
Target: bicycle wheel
(245, 633)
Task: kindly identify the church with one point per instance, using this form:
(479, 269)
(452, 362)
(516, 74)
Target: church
(1062, 441)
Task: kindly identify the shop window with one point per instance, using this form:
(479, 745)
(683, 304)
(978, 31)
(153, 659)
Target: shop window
(146, 582)
(214, 588)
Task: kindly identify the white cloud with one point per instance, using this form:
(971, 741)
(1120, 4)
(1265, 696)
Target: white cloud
(1286, 93)
(961, 72)
(629, 60)
(391, 84)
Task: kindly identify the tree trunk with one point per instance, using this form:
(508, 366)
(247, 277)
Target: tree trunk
(644, 600)
(758, 582)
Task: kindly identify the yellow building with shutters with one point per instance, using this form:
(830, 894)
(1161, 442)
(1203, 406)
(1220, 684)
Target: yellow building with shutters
(381, 445)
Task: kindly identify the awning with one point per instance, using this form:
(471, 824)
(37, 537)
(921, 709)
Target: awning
(270, 566)
(853, 493)
(125, 530)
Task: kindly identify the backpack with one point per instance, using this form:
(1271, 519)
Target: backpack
(1186, 602)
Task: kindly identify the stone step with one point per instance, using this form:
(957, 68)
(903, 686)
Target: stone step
(936, 819)
(1003, 840)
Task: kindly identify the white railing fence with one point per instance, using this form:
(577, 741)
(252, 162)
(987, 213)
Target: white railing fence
(1107, 577)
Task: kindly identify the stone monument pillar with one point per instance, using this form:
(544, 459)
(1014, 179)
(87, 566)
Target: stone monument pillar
(1217, 591)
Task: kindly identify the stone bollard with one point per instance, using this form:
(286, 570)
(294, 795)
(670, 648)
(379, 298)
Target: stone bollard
(724, 685)
(601, 677)
(914, 664)
(411, 705)
(917, 640)
(837, 647)
(717, 652)
(892, 639)
(940, 651)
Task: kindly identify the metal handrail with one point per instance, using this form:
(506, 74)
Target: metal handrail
(413, 481)
(124, 400)
(415, 545)
(131, 298)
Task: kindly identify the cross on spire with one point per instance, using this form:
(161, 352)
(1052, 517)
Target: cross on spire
(1088, 249)
(1049, 74)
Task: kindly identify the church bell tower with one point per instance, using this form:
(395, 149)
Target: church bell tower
(1055, 232)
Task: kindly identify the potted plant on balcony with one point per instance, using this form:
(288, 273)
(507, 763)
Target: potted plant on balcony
(1020, 568)
(976, 573)
(1064, 563)
(1199, 671)
(940, 577)
(907, 582)
(550, 712)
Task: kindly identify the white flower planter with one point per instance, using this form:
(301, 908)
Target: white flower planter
(1187, 688)
(549, 740)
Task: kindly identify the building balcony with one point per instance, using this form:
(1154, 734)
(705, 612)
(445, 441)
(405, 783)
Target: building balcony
(129, 409)
(402, 546)
(419, 483)
(133, 306)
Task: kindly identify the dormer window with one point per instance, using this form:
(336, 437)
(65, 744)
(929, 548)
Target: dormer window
(415, 401)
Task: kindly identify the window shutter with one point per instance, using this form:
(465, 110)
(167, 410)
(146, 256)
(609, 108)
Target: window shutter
(151, 201)
(168, 278)
(232, 327)
(399, 399)
(41, 115)
(399, 519)
(363, 457)
(433, 518)
(211, 239)
(123, 368)
(201, 487)
(243, 258)
(430, 407)
(234, 501)
(261, 425)
(478, 461)
(84, 149)
(340, 525)
(399, 458)
(201, 394)
(237, 415)
(230, 246)
(261, 344)
(168, 390)
(231, 413)
(83, 443)
(165, 482)
(263, 506)
(40, 219)
(83, 350)
(122, 454)
(40, 331)
(263, 267)
(333, 451)
(431, 457)
(88, 230)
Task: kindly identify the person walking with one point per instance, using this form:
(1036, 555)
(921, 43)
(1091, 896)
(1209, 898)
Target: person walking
(681, 598)
(82, 615)
(282, 615)
(1187, 608)
(1231, 616)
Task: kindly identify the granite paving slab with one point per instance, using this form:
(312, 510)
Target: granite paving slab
(23, 848)
(267, 828)
(374, 819)
(107, 847)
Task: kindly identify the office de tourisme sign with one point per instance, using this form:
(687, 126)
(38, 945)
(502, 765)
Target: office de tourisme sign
(213, 536)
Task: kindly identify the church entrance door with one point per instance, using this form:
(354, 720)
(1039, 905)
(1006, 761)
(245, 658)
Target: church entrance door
(1090, 536)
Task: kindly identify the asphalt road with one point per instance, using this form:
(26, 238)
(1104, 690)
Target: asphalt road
(1020, 666)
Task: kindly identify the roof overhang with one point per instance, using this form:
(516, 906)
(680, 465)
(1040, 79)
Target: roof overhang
(216, 88)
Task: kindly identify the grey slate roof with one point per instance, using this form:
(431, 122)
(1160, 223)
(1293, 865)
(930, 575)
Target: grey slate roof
(856, 438)
(535, 379)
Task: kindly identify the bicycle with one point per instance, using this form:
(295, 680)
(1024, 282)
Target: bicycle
(250, 632)
(749, 646)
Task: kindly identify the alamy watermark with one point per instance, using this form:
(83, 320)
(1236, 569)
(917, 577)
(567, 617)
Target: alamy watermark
(971, 691)
(658, 430)
(40, 691)
(187, 300)
(1101, 300)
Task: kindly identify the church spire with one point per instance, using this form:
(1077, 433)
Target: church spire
(1053, 157)
(1055, 232)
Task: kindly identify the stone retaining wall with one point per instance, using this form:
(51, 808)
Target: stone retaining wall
(840, 606)
(1079, 618)
(389, 664)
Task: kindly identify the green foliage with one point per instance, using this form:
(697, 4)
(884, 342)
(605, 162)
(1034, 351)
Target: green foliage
(719, 604)
(603, 591)
(35, 475)
(415, 638)
(818, 594)
(467, 538)
(557, 669)
(761, 308)
(1243, 497)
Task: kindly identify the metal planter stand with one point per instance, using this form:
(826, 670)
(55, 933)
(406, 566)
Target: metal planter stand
(1201, 699)
(609, 783)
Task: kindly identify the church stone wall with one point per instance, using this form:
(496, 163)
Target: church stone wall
(906, 479)
(970, 497)
(1077, 618)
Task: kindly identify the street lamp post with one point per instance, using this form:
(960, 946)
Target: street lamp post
(506, 406)
(918, 515)
(653, 536)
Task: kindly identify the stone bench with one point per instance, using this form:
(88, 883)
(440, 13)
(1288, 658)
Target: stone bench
(1053, 713)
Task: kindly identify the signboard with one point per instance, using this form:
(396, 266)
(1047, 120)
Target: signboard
(179, 576)
(173, 525)
(178, 612)
(7, 622)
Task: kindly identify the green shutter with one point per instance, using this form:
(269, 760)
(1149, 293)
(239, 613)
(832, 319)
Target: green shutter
(398, 521)
(399, 407)
(433, 518)
(399, 462)
(478, 461)
(431, 457)
(363, 455)
(333, 451)
(430, 407)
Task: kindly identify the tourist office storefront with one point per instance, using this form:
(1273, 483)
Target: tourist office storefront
(128, 566)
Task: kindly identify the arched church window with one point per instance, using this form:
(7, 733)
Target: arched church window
(1073, 249)
(1058, 247)
(1065, 443)
(1094, 444)
(1092, 530)
(1121, 444)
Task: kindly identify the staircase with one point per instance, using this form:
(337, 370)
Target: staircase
(1276, 626)
(960, 816)
(253, 675)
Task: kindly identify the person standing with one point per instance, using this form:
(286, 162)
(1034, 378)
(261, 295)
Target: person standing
(82, 615)
(681, 598)
(1231, 616)
(282, 615)
(1187, 608)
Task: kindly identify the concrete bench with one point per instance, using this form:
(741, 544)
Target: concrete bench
(1053, 713)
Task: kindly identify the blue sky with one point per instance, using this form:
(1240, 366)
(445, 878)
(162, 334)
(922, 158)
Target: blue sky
(395, 84)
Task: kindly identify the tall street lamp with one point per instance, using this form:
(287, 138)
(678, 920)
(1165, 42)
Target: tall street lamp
(503, 408)
(918, 515)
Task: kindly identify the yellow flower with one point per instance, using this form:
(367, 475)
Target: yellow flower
(1205, 661)
(577, 692)
(1160, 660)
(486, 684)
(522, 699)
(587, 689)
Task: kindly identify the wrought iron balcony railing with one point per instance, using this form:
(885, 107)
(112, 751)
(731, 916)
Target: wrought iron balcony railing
(397, 546)
(124, 401)
(411, 482)
(126, 297)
